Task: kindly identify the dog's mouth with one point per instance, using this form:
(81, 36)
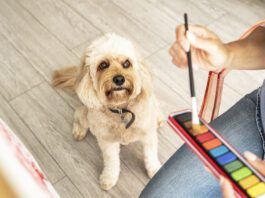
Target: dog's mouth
(117, 89)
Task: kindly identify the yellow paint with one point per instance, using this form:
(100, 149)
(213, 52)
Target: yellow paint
(257, 190)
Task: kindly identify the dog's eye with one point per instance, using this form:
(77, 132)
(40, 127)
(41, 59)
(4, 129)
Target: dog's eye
(103, 65)
(126, 64)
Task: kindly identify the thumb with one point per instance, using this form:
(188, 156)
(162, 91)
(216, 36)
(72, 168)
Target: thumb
(257, 163)
(227, 189)
(202, 43)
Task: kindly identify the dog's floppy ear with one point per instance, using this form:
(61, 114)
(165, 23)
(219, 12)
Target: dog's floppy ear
(85, 88)
(146, 79)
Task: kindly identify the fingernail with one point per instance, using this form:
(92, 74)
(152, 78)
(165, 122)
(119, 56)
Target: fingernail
(191, 37)
(250, 156)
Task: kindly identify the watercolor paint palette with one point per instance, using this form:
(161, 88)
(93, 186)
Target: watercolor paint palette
(220, 157)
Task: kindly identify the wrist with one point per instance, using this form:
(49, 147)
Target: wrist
(229, 47)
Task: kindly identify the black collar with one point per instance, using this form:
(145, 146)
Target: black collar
(121, 112)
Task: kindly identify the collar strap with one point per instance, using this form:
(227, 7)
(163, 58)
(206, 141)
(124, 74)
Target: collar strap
(121, 112)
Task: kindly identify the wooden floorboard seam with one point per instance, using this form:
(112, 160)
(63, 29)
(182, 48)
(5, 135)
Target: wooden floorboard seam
(41, 24)
(65, 174)
(11, 106)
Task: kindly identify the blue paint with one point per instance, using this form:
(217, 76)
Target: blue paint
(218, 151)
(226, 158)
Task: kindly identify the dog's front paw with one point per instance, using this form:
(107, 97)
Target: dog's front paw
(79, 132)
(152, 169)
(107, 181)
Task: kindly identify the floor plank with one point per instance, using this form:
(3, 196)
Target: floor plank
(16, 74)
(110, 18)
(49, 165)
(32, 40)
(67, 25)
(200, 12)
(247, 11)
(237, 81)
(66, 189)
(229, 27)
(150, 16)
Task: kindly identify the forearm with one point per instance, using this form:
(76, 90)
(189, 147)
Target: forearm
(248, 53)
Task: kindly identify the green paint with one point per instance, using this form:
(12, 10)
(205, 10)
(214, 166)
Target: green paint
(232, 166)
(241, 173)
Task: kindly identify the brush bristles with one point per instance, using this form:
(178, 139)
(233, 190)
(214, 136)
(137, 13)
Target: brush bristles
(198, 129)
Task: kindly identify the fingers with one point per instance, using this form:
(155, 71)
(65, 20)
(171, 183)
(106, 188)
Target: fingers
(206, 44)
(181, 37)
(179, 57)
(202, 32)
(198, 36)
(257, 163)
(202, 60)
(197, 30)
(226, 187)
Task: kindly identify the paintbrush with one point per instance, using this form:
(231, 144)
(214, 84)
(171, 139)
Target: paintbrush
(195, 117)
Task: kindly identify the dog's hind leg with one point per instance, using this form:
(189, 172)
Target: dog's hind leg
(80, 126)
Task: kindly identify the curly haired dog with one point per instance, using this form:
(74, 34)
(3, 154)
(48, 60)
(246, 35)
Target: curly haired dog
(119, 106)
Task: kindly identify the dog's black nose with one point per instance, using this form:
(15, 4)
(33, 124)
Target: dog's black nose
(118, 80)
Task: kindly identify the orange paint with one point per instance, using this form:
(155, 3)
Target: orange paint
(249, 181)
(198, 130)
(212, 144)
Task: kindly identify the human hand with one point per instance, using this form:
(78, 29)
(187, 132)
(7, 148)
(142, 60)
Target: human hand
(207, 50)
(257, 163)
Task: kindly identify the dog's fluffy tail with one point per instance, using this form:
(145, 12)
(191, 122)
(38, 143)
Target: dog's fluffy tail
(66, 78)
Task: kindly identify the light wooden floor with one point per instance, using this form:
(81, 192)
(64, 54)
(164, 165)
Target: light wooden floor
(37, 37)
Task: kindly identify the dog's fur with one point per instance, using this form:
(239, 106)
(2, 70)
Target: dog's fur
(95, 88)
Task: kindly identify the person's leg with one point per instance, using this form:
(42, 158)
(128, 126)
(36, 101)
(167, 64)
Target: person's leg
(183, 175)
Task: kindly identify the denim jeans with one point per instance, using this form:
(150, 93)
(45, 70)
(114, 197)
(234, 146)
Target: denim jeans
(183, 175)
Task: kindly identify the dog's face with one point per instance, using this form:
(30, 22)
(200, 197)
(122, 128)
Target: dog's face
(114, 73)
(117, 79)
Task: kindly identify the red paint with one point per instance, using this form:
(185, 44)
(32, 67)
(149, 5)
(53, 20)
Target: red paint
(205, 137)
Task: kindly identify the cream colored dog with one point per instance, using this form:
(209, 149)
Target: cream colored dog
(119, 105)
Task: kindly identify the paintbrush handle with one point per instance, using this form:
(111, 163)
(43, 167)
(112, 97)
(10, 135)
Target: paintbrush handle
(192, 89)
(195, 118)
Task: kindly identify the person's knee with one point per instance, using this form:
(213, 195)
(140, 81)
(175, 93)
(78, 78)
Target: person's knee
(238, 125)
